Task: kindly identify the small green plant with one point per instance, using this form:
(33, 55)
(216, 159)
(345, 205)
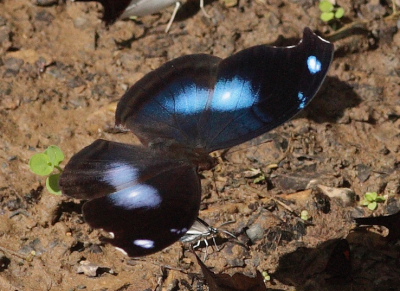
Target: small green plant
(45, 163)
(305, 215)
(266, 276)
(372, 199)
(330, 12)
(257, 175)
(260, 179)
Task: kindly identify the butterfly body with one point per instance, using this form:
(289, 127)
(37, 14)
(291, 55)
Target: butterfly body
(124, 9)
(198, 231)
(145, 7)
(149, 196)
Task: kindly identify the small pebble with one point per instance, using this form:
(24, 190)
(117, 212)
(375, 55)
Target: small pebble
(255, 232)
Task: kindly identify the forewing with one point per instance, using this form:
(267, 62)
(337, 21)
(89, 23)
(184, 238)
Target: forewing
(262, 87)
(166, 104)
(203, 101)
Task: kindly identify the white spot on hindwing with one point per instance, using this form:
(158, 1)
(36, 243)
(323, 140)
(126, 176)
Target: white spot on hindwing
(137, 196)
(130, 195)
(144, 243)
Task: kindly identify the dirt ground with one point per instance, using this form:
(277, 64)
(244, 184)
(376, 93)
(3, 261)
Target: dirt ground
(62, 72)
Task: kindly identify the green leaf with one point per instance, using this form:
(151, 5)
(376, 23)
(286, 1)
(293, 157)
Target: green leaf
(380, 199)
(325, 6)
(41, 165)
(304, 215)
(55, 154)
(365, 203)
(327, 16)
(260, 179)
(53, 184)
(339, 12)
(371, 196)
(372, 205)
(266, 276)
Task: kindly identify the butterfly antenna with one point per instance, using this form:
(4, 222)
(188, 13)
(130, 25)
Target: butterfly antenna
(228, 233)
(237, 149)
(177, 6)
(215, 243)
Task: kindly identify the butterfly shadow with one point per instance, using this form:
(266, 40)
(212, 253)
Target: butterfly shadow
(333, 99)
(69, 207)
(190, 9)
(339, 264)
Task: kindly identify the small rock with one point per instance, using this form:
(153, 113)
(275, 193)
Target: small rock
(3, 21)
(364, 172)
(345, 194)
(76, 82)
(13, 65)
(80, 22)
(96, 249)
(45, 16)
(255, 232)
(14, 204)
(392, 188)
(5, 35)
(87, 268)
(92, 270)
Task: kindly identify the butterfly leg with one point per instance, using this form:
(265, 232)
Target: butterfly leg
(177, 6)
(206, 252)
(202, 9)
(197, 244)
(215, 243)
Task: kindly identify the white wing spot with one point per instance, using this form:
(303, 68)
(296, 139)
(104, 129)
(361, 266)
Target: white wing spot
(144, 243)
(138, 196)
(119, 175)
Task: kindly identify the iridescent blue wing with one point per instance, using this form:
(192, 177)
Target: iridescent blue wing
(203, 101)
(144, 198)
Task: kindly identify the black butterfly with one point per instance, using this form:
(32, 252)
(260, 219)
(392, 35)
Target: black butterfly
(200, 231)
(149, 196)
(123, 9)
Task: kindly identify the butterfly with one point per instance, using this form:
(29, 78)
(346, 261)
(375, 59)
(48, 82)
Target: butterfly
(200, 231)
(148, 196)
(123, 9)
